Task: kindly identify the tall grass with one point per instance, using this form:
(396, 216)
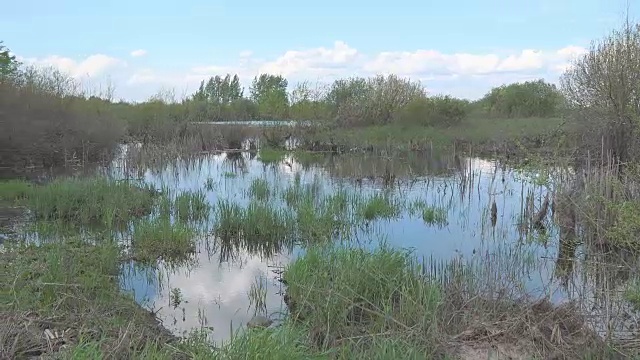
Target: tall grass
(159, 238)
(341, 294)
(84, 201)
(379, 206)
(192, 206)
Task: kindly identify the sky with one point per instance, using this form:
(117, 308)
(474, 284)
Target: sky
(457, 47)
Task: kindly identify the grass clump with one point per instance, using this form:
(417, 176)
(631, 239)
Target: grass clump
(192, 206)
(159, 238)
(91, 201)
(298, 193)
(434, 216)
(431, 215)
(341, 294)
(259, 189)
(285, 342)
(263, 223)
(229, 220)
(270, 155)
(320, 223)
(379, 206)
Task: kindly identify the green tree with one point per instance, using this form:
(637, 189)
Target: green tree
(527, 99)
(307, 103)
(9, 66)
(219, 90)
(270, 93)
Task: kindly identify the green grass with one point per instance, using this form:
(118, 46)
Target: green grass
(159, 238)
(343, 293)
(71, 285)
(269, 155)
(431, 215)
(379, 206)
(90, 201)
(478, 130)
(14, 190)
(434, 216)
(260, 190)
(192, 206)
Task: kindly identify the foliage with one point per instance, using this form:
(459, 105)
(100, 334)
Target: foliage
(359, 101)
(8, 64)
(434, 111)
(602, 89)
(528, 99)
(270, 93)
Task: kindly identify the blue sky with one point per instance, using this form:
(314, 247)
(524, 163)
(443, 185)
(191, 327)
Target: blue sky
(190, 39)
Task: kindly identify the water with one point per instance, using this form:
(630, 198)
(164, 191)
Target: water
(214, 287)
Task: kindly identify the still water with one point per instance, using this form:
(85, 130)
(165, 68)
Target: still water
(213, 290)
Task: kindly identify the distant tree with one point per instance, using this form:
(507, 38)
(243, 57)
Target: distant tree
(219, 90)
(526, 99)
(307, 103)
(376, 100)
(270, 93)
(9, 66)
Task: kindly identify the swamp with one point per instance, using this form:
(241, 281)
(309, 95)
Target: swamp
(431, 228)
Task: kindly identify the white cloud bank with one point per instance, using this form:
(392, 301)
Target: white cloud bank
(459, 74)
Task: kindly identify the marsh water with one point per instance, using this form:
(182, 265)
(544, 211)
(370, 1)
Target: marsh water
(225, 284)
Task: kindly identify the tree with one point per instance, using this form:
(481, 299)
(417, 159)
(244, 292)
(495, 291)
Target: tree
(9, 66)
(270, 93)
(219, 90)
(527, 99)
(360, 101)
(602, 89)
(307, 103)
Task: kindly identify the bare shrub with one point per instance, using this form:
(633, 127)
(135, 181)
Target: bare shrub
(373, 101)
(602, 89)
(48, 121)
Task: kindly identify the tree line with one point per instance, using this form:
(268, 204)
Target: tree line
(49, 115)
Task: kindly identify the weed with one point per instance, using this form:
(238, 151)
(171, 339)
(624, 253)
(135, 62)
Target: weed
(159, 238)
(87, 201)
(379, 206)
(270, 155)
(259, 189)
(341, 293)
(14, 190)
(192, 206)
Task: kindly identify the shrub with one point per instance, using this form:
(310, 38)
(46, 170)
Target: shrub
(527, 99)
(434, 111)
(602, 91)
(373, 101)
(47, 121)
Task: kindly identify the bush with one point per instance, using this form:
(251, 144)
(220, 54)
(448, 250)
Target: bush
(48, 122)
(602, 91)
(527, 99)
(434, 111)
(373, 101)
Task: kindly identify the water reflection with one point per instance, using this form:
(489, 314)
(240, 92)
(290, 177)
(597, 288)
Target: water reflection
(488, 208)
(212, 294)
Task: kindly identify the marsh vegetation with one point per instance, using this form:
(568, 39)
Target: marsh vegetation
(382, 229)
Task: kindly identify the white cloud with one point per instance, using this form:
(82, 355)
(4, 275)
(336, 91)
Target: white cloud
(91, 66)
(448, 73)
(138, 53)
